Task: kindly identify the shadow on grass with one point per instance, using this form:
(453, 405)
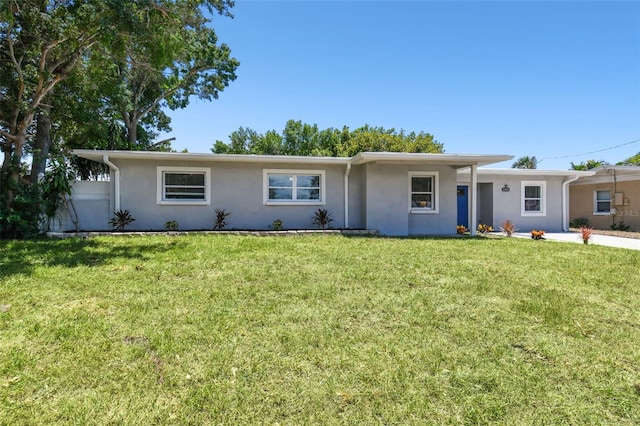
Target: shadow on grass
(22, 257)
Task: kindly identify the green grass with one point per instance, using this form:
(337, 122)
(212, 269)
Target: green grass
(318, 330)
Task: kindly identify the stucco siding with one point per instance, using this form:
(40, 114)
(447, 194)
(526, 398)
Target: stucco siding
(387, 201)
(235, 187)
(357, 199)
(508, 204)
(582, 204)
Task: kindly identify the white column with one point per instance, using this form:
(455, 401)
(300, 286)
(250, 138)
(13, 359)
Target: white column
(473, 200)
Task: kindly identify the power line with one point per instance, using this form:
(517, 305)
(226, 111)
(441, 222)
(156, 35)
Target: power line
(588, 153)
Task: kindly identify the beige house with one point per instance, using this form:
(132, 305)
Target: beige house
(610, 196)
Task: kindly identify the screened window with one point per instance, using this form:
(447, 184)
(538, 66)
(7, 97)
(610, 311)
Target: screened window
(423, 192)
(602, 203)
(533, 198)
(286, 187)
(183, 185)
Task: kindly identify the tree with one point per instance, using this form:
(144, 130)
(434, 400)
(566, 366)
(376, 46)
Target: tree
(634, 160)
(99, 71)
(590, 164)
(300, 138)
(41, 43)
(525, 163)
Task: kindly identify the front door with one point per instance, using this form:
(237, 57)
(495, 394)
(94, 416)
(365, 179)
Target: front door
(463, 205)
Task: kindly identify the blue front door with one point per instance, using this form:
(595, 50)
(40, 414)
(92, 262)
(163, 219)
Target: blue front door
(463, 205)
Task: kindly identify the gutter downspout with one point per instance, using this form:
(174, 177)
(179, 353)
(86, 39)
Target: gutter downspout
(346, 196)
(105, 159)
(565, 202)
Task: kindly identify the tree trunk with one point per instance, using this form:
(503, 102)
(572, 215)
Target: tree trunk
(42, 143)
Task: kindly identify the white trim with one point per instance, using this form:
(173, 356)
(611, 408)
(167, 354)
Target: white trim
(160, 199)
(473, 201)
(595, 203)
(436, 192)
(116, 183)
(293, 172)
(565, 202)
(543, 198)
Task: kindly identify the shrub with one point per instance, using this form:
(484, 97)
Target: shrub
(322, 218)
(276, 225)
(461, 229)
(483, 229)
(171, 225)
(585, 234)
(221, 219)
(579, 222)
(508, 228)
(537, 235)
(620, 226)
(121, 219)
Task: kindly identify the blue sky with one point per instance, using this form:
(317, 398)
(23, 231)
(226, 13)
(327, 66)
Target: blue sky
(549, 79)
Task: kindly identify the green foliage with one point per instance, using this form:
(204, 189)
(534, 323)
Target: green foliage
(230, 330)
(634, 160)
(221, 219)
(22, 219)
(525, 163)
(579, 222)
(276, 225)
(322, 218)
(590, 164)
(620, 226)
(121, 219)
(171, 225)
(304, 139)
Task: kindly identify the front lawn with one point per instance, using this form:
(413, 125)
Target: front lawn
(222, 329)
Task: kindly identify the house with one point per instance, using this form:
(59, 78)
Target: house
(609, 196)
(397, 194)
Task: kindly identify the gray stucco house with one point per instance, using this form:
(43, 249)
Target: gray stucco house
(397, 194)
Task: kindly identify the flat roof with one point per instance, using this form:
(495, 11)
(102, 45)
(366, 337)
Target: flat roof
(455, 160)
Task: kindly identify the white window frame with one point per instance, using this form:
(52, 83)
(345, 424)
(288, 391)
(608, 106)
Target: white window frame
(294, 173)
(595, 203)
(160, 197)
(543, 198)
(435, 176)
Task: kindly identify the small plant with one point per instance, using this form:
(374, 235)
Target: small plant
(537, 235)
(585, 234)
(276, 225)
(322, 218)
(483, 229)
(579, 222)
(620, 226)
(121, 219)
(171, 225)
(461, 229)
(221, 219)
(508, 228)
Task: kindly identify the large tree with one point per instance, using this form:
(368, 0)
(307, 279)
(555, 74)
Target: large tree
(108, 68)
(298, 138)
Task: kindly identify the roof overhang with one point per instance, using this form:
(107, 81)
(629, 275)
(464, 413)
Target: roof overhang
(453, 160)
(98, 155)
(530, 172)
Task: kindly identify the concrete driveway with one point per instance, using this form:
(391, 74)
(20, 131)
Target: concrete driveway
(574, 237)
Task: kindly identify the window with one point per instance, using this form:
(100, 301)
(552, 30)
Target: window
(301, 187)
(602, 202)
(423, 194)
(533, 198)
(183, 185)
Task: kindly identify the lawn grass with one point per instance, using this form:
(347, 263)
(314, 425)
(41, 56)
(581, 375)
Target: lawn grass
(223, 329)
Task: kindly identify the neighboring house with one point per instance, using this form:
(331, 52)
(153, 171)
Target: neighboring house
(394, 193)
(611, 195)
